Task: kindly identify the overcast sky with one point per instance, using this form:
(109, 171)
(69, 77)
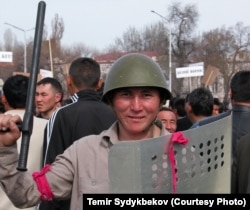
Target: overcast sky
(97, 23)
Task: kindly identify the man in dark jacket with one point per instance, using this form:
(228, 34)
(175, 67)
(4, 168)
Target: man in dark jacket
(183, 122)
(240, 100)
(87, 115)
(243, 166)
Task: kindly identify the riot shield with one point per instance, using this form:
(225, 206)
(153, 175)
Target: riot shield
(201, 166)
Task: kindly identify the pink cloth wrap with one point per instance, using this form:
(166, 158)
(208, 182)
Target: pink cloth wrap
(42, 183)
(176, 137)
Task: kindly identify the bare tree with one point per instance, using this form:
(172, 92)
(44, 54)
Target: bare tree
(181, 23)
(57, 26)
(150, 38)
(154, 38)
(130, 41)
(228, 50)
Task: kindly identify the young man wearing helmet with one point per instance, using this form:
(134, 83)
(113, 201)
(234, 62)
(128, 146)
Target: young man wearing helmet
(136, 89)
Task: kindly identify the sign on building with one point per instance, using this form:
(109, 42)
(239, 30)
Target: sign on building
(6, 56)
(191, 71)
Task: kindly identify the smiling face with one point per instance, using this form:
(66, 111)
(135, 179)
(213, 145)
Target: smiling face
(136, 110)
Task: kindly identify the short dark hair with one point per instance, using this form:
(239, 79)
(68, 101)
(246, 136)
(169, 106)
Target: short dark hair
(85, 72)
(15, 90)
(240, 86)
(55, 84)
(201, 100)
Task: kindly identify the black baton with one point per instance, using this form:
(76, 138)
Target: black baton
(27, 124)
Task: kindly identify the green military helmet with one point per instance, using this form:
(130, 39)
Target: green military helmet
(135, 70)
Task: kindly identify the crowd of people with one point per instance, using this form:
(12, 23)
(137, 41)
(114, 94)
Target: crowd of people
(70, 141)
